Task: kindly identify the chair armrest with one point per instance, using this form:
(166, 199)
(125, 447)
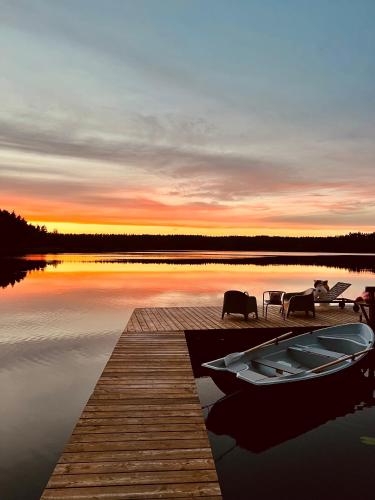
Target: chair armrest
(289, 295)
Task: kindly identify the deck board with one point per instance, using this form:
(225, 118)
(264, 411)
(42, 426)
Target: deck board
(141, 434)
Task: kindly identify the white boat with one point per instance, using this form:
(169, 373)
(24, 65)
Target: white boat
(305, 357)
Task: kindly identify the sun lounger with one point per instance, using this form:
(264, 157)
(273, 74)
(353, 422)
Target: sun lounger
(333, 295)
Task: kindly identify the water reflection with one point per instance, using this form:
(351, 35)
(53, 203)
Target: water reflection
(294, 445)
(350, 262)
(13, 271)
(259, 419)
(60, 323)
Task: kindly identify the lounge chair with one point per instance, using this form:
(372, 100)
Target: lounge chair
(298, 301)
(239, 302)
(333, 295)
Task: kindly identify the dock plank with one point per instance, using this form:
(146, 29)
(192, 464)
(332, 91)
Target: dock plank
(136, 465)
(132, 492)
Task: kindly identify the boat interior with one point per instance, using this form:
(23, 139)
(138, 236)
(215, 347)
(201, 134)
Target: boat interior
(306, 354)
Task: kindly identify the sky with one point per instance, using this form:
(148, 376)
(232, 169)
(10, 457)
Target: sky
(173, 116)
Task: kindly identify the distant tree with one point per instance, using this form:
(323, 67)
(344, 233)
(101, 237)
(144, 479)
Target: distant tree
(18, 236)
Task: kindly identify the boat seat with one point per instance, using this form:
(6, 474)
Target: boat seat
(316, 350)
(250, 376)
(276, 365)
(343, 339)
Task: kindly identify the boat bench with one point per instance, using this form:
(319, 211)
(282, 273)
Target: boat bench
(276, 365)
(316, 350)
(250, 376)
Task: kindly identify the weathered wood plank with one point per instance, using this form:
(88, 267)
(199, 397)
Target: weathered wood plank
(137, 445)
(135, 465)
(138, 409)
(131, 492)
(92, 437)
(134, 477)
(144, 420)
(136, 428)
(134, 455)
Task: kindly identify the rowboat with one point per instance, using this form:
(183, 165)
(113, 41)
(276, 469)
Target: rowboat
(309, 356)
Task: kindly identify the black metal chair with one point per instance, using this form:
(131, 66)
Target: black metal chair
(272, 298)
(239, 302)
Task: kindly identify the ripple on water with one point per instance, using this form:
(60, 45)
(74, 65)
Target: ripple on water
(44, 384)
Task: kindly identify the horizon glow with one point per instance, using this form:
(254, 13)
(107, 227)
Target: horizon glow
(186, 117)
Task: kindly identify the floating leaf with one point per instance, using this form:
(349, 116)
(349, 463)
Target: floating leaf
(368, 440)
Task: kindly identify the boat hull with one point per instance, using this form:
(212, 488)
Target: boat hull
(228, 383)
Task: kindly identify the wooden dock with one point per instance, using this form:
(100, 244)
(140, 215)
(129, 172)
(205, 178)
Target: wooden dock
(159, 319)
(142, 433)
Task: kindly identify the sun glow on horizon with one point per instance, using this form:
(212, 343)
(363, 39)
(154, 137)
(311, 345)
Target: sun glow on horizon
(94, 228)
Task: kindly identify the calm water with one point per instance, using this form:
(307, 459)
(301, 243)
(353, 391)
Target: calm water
(59, 323)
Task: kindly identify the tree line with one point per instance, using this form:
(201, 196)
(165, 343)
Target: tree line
(20, 237)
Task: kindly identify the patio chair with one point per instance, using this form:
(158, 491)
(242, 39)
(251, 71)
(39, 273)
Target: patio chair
(272, 298)
(333, 295)
(239, 302)
(298, 301)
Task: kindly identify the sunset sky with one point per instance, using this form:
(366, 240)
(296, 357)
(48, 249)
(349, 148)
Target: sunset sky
(196, 116)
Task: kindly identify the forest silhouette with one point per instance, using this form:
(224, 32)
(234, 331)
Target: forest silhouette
(20, 237)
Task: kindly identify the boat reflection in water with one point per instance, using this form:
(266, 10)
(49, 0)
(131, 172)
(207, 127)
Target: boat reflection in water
(294, 443)
(259, 419)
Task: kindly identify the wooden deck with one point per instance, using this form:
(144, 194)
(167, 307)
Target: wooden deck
(142, 433)
(161, 319)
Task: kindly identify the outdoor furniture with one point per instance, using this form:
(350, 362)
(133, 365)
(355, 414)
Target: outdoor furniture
(239, 302)
(272, 298)
(298, 301)
(367, 306)
(333, 295)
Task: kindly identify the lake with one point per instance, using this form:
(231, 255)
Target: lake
(61, 315)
